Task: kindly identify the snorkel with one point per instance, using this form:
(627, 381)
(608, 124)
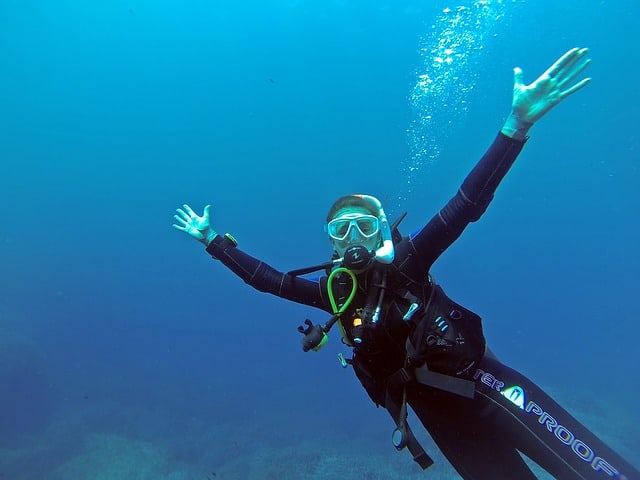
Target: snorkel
(385, 253)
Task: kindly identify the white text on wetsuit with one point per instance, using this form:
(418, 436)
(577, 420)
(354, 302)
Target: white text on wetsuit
(562, 433)
(565, 436)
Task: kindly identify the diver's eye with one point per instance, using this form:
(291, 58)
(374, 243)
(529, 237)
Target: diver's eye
(367, 226)
(342, 228)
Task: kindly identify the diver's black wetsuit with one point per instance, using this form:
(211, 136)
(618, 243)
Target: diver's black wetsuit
(481, 437)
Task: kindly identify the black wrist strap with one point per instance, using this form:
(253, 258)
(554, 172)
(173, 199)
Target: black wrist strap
(220, 243)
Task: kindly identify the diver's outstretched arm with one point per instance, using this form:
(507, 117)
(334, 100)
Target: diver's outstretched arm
(198, 227)
(252, 271)
(531, 102)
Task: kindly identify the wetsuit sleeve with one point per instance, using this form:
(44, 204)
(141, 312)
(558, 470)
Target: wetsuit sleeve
(468, 204)
(264, 278)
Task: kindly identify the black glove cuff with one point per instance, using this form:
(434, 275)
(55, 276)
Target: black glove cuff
(220, 243)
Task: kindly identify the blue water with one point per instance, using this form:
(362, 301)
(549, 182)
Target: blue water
(126, 352)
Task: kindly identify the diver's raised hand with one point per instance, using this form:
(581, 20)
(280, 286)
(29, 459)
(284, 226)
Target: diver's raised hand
(197, 226)
(531, 102)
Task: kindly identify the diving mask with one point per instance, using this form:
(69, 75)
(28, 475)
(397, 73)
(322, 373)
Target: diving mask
(367, 226)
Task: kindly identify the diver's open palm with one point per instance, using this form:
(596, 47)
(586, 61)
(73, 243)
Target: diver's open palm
(530, 102)
(190, 222)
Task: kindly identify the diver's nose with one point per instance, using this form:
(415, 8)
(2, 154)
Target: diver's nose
(354, 235)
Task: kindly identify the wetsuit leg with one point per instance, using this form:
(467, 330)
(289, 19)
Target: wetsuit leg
(464, 432)
(540, 428)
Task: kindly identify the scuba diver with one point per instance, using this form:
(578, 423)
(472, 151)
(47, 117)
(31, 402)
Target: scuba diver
(415, 347)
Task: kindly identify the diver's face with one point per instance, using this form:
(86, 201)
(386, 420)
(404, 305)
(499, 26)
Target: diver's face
(354, 227)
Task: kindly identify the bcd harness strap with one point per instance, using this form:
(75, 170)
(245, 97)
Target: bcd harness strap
(422, 375)
(399, 415)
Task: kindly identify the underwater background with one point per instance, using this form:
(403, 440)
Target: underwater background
(127, 353)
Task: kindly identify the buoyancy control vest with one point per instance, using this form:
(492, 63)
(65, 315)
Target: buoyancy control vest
(441, 333)
(403, 333)
(443, 345)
